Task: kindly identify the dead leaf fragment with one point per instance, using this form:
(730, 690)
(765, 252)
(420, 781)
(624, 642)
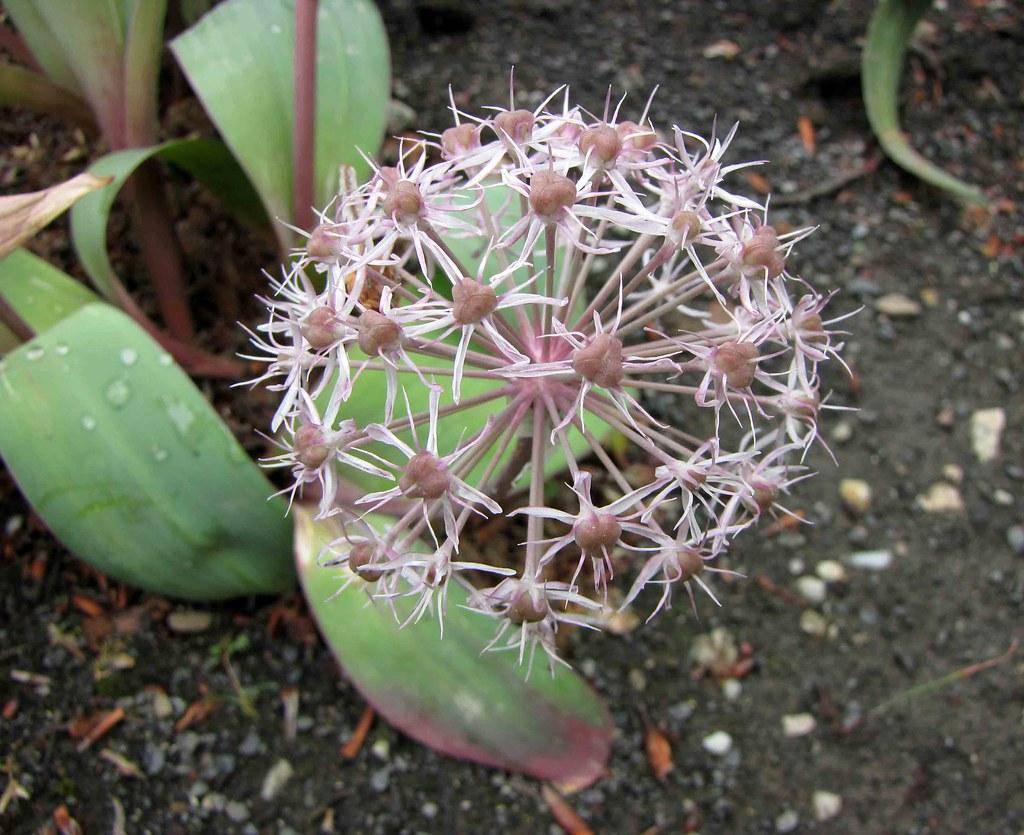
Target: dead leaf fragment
(22, 215)
(659, 752)
(565, 816)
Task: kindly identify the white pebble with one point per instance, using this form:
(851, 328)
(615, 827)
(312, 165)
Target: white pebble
(856, 495)
(798, 724)
(731, 689)
(986, 430)
(941, 498)
(811, 588)
(719, 743)
(830, 571)
(871, 560)
(826, 805)
(787, 822)
(813, 623)
(279, 774)
(897, 306)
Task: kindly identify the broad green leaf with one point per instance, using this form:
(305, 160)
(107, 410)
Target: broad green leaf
(80, 44)
(889, 32)
(206, 159)
(239, 58)
(42, 295)
(445, 692)
(22, 215)
(132, 469)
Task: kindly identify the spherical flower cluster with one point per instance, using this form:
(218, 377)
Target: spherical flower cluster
(570, 266)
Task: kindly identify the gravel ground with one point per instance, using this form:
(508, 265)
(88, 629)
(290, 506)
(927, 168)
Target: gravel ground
(922, 566)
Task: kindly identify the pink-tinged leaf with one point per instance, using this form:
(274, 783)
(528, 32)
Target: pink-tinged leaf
(22, 215)
(444, 692)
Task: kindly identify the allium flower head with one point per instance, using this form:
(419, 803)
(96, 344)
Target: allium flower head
(562, 271)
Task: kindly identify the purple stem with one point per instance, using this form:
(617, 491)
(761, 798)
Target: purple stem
(304, 127)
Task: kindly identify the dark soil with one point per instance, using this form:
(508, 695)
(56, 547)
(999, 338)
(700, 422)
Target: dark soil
(946, 761)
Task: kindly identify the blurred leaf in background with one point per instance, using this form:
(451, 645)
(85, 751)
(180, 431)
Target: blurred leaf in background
(889, 32)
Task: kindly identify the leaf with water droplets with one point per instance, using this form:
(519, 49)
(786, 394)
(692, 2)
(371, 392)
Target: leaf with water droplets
(132, 469)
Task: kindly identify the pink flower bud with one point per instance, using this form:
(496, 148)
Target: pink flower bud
(602, 142)
(737, 362)
(472, 301)
(551, 194)
(600, 361)
(404, 202)
(361, 559)
(324, 243)
(687, 226)
(525, 608)
(689, 562)
(378, 334)
(762, 251)
(425, 477)
(764, 494)
(810, 327)
(321, 328)
(636, 138)
(518, 124)
(597, 532)
(460, 140)
(311, 447)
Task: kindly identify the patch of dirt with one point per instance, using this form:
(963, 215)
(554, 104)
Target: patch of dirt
(946, 762)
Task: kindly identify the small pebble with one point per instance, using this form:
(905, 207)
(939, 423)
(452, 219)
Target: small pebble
(812, 589)
(897, 306)
(162, 705)
(941, 498)
(731, 689)
(1015, 539)
(381, 749)
(638, 680)
(871, 560)
(236, 811)
(719, 743)
(856, 495)
(986, 431)
(830, 571)
(381, 779)
(1002, 497)
(953, 473)
(813, 623)
(787, 822)
(189, 620)
(826, 805)
(798, 724)
(251, 745)
(842, 432)
(429, 810)
(279, 774)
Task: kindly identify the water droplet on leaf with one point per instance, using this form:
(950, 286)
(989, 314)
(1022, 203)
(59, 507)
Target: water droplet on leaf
(118, 393)
(88, 423)
(33, 354)
(128, 356)
(61, 349)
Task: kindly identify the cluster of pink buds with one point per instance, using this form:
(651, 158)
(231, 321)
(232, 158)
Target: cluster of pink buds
(563, 270)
